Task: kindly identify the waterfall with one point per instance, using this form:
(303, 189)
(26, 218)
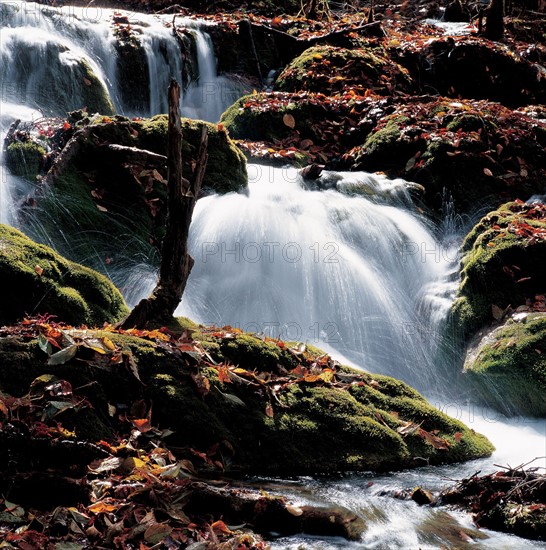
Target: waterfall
(43, 48)
(210, 95)
(51, 59)
(352, 274)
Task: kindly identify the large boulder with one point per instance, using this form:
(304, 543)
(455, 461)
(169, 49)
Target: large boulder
(252, 405)
(36, 280)
(329, 70)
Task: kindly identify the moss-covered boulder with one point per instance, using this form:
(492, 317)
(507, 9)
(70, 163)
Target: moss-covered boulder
(36, 280)
(507, 366)
(503, 265)
(329, 70)
(25, 159)
(257, 406)
(298, 127)
(113, 206)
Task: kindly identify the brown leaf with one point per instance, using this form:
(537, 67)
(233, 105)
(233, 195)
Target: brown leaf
(487, 172)
(269, 410)
(157, 532)
(39, 270)
(289, 121)
(202, 383)
(437, 442)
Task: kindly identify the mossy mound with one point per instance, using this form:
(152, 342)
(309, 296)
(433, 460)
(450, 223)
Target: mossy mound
(261, 416)
(504, 264)
(36, 280)
(480, 152)
(297, 126)
(508, 366)
(114, 209)
(25, 159)
(329, 70)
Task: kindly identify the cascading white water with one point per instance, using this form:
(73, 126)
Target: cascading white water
(350, 273)
(210, 95)
(40, 46)
(43, 51)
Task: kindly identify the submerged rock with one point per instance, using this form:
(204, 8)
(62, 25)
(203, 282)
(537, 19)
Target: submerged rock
(36, 280)
(256, 406)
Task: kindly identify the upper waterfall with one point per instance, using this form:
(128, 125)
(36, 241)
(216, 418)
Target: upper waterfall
(59, 59)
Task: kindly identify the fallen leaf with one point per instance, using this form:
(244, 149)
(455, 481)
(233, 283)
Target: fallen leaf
(289, 121)
(157, 532)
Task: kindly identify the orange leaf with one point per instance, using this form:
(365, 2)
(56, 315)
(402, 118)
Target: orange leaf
(142, 424)
(39, 270)
(101, 507)
(221, 526)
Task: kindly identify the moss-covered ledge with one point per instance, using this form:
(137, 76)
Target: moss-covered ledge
(503, 265)
(294, 412)
(36, 280)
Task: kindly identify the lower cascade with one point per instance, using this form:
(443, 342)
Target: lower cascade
(350, 273)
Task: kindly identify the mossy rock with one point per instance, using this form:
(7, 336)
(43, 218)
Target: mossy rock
(328, 69)
(508, 366)
(116, 214)
(36, 280)
(25, 159)
(267, 117)
(310, 427)
(503, 264)
(481, 153)
(226, 167)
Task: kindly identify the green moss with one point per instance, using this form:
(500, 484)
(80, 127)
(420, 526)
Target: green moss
(226, 167)
(467, 123)
(386, 137)
(24, 159)
(313, 427)
(94, 94)
(328, 69)
(500, 267)
(38, 280)
(508, 367)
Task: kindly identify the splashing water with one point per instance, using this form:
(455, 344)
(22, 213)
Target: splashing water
(349, 273)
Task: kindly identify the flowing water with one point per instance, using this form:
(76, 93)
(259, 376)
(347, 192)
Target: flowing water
(352, 267)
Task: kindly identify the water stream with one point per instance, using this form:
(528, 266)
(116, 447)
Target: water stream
(351, 267)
